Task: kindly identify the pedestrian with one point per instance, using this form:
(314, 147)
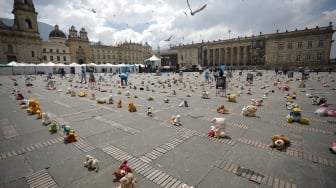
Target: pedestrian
(276, 71)
(92, 80)
(207, 76)
(123, 78)
(330, 69)
(83, 75)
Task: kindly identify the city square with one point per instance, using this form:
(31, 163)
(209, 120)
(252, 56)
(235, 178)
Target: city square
(160, 153)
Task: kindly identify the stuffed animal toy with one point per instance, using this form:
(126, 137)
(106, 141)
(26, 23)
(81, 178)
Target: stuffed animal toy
(150, 98)
(205, 95)
(331, 112)
(220, 124)
(316, 100)
(53, 127)
(322, 111)
(166, 100)
(149, 112)
(256, 102)
(176, 120)
(132, 107)
(93, 96)
(101, 101)
(128, 95)
(119, 104)
(33, 106)
(91, 163)
(71, 137)
(279, 141)
(291, 105)
(119, 92)
(121, 171)
(249, 92)
(333, 147)
(110, 100)
(173, 92)
(82, 94)
(184, 104)
(73, 93)
(128, 181)
(19, 96)
(249, 111)
(232, 98)
(185, 186)
(66, 129)
(39, 114)
(295, 116)
(211, 133)
(222, 110)
(46, 119)
(68, 90)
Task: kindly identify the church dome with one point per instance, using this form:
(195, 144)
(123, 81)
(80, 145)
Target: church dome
(56, 33)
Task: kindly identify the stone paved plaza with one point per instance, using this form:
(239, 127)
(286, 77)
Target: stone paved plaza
(161, 154)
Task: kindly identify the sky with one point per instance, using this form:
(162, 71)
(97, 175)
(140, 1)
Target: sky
(154, 21)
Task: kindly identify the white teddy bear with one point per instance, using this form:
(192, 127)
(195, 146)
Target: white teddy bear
(91, 162)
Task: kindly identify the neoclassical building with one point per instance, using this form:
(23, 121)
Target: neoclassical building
(286, 50)
(22, 43)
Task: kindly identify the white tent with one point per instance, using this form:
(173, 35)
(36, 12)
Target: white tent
(153, 62)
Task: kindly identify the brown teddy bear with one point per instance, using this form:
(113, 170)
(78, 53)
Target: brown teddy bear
(222, 110)
(279, 141)
(132, 107)
(128, 181)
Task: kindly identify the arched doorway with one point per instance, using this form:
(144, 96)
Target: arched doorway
(81, 61)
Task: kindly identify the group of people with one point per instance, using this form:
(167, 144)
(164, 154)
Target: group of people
(92, 80)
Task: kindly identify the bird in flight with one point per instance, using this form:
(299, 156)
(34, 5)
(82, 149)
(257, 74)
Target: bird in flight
(197, 10)
(168, 39)
(93, 10)
(185, 13)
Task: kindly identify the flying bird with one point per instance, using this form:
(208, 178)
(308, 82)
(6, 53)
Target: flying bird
(168, 39)
(196, 11)
(185, 13)
(93, 10)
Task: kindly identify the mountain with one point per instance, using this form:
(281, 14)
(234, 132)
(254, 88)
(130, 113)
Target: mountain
(44, 28)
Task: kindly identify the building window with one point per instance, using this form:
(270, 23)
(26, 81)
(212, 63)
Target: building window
(44, 50)
(299, 45)
(58, 58)
(51, 58)
(298, 57)
(289, 45)
(63, 51)
(57, 50)
(309, 57)
(280, 46)
(32, 53)
(64, 58)
(289, 58)
(50, 50)
(320, 44)
(279, 58)
(45, 58)
(28, 24)
(319, 57)
(104, 56)
(310, 44)
(108, 57)
(98, 56)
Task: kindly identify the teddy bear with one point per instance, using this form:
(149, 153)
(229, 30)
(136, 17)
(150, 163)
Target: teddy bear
(316, 100)
(322, 111)
(33, 106)
(279, 141)
(46, 119)
(128, 181)
(205, 95)
(184, 104)
(222, 110)
(110, 100)
(212, 131)
(82, 94)
(121, 171)
(249, 110)
(91, 163)
(53, 127)
(256, 102)
(232, 98)
(220, 127)
(291, 105)
(149, 112)
(132, 107)
(166, 100)
(66, 129)
(71, 137)
(119, 103)
(176, 120)
(150, 98)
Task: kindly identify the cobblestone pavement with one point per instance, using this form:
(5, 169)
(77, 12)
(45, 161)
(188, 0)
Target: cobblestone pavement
(160, 153)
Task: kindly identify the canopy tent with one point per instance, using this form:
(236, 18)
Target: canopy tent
(153, 63)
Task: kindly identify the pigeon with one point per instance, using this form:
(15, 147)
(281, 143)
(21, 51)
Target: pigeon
(168, 39)
(196, 11)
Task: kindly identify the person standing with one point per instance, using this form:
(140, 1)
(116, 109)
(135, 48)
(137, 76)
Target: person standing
(83, 75)
(207, 76)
